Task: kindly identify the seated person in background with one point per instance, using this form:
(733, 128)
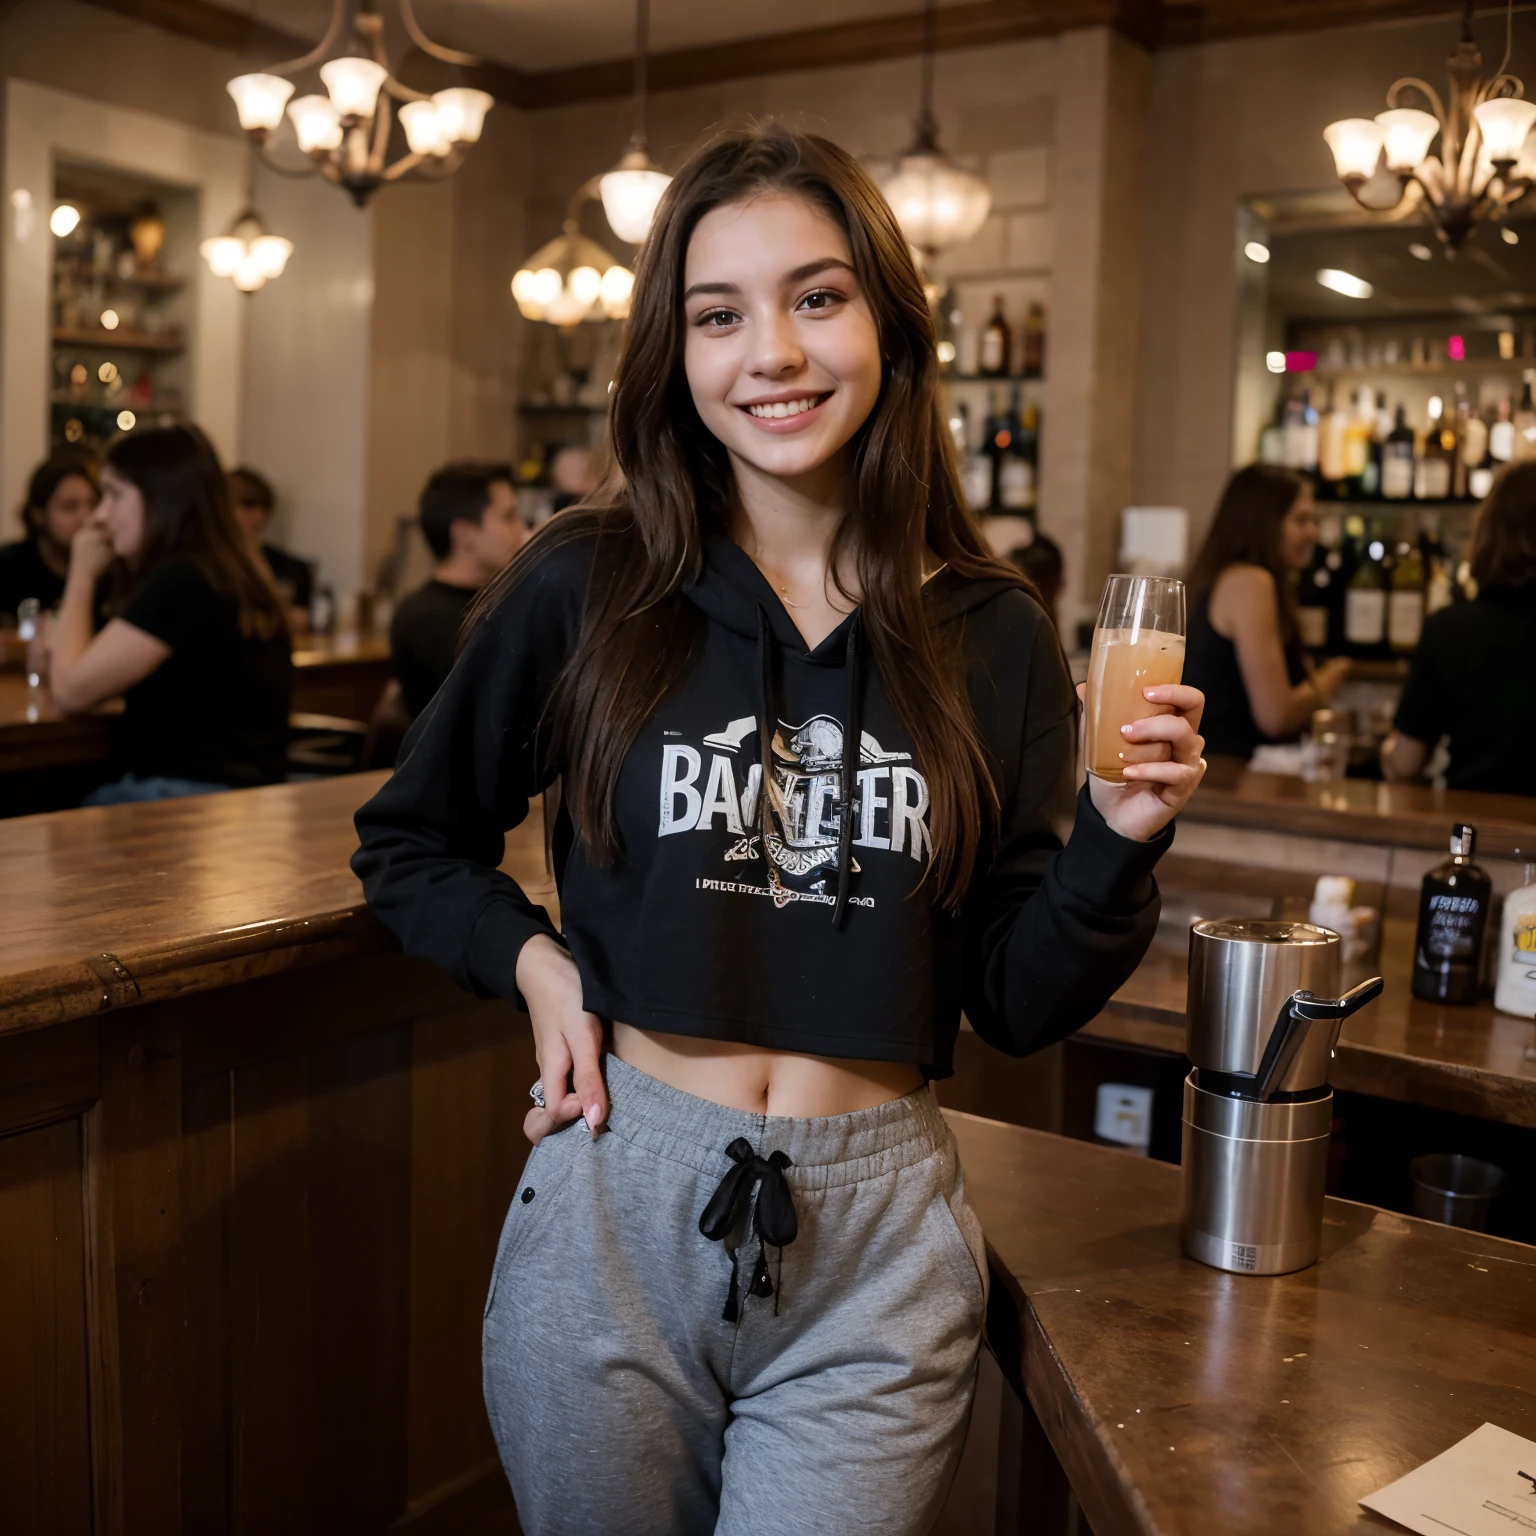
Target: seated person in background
(573, 474)
(1020, 543)
(60, 496)
(199, 650)
(251, 498)
(1243, 649)
(469, 518)
(1469, 678)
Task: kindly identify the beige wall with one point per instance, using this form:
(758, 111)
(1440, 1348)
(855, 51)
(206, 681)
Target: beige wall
(1230, 120)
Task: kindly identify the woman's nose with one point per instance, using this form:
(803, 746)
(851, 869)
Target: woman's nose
(777, 351)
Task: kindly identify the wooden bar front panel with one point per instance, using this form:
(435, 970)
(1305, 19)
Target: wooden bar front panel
(247, 1240)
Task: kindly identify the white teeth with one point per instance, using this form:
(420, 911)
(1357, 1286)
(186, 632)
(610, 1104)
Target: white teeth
(780, 408)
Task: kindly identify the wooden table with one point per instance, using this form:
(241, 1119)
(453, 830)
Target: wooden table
(49, 760)
(1363, 810)
(1183, 1401)
(253, 1164)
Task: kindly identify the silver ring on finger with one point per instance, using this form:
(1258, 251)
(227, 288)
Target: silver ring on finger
(536, 1093)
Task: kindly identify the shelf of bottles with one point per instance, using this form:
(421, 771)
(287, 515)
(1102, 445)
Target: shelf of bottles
(118, 333)
(993, 383)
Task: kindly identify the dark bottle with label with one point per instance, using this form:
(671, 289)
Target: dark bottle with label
(1453, 912)
(996, 343)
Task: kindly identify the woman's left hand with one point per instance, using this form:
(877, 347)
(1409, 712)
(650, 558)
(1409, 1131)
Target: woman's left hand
(1155, 791)
(90, 552)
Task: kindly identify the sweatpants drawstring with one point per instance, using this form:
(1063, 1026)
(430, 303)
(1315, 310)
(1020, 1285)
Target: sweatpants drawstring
(773, 1218)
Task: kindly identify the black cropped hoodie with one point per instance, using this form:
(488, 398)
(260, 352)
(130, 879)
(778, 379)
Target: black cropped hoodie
(799, 921)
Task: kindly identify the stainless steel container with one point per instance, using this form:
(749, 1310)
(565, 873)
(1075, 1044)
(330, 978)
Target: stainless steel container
(1253, 1180)
(1262, 1021)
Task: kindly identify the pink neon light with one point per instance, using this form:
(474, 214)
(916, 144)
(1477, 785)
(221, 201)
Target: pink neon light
(1456, 349)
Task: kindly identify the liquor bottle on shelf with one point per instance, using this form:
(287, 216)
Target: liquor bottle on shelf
(1453, 912)
(997, 441)
(1272, 438)
(1032, 358)
(1314, 598)
(1405, 605)
(1016, 474)
(1432, 472)
(1357, 445)
(1301, 434)
(1333, 448)
(1472, 449)
(1501, 435)
(1365, 603)
(1028, 448)
(1397, 458)
(960, 431)
(992, 359)
(1439, 582)
(951, 318)
(1478, 439)
(1525, 420)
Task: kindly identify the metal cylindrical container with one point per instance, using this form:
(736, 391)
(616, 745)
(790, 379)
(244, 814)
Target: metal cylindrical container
(1253, 1177)
(1241, 975)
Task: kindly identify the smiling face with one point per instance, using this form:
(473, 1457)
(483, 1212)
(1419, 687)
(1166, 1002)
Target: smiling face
(120, 514)
(781, 353)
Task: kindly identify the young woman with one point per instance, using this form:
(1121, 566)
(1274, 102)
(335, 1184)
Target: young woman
(1461, 682)
(809, 734)
(1244, 651)
(199, 648)
(61, 495)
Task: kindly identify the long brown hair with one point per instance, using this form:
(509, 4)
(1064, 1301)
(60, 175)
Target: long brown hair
(671, 481)
(187, 517)
(1504, 535)
(1246, 530)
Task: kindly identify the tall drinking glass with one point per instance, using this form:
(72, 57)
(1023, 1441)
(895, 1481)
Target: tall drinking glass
(1138, 643)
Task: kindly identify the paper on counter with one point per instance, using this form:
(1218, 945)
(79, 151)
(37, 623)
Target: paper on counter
(1473, 1489)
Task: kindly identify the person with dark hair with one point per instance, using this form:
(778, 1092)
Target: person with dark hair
(61, 495)
(469, 518)
(253, 502)
(1466, 679)
(199, 648)
(1244, 650)
(810, 736)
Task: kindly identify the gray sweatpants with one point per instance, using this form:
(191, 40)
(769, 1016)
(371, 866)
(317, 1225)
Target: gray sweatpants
(624, 1404)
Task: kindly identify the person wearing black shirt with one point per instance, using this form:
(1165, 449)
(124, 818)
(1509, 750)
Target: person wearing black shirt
(469, 517)
(60, 497)
(1466, 678)
(199, 649)
(252, 501)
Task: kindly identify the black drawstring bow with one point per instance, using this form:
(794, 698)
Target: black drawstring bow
(772, 1215)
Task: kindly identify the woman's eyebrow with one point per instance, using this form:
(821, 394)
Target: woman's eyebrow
(798, 275)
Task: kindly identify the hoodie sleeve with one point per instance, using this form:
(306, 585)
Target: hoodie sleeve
(1052, 932)
(433, 836)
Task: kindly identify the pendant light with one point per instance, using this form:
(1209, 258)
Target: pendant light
(936, 203)
(633, 188)
(246, 252)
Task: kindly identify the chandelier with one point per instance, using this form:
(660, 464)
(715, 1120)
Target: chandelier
(246, 253)
(572, 278)
(936, 203)
(1484, 166)
(633, 188)
(345, 133)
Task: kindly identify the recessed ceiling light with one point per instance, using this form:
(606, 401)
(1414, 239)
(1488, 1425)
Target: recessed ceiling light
(1347, 283)
(1257, 251)
(1421, 252)
(1275, 361)
(1509, 237)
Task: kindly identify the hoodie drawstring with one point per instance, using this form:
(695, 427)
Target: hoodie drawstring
(853, 735)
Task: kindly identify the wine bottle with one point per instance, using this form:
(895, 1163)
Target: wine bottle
(1405, 606)
(1525, 420)
(1333, 448)
(1453, 912)
(995, 338)
(1357, 443)
(1501, 436)
(1033, 342)
(1397, 459)
(1016, 476)
(1432, 471)
(1312, 600)
(1365, 603)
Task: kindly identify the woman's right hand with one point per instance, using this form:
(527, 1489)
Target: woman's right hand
(1327, 677)
(567, 1040)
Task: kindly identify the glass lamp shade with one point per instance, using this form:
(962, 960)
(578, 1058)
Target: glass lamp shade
(270, 253)
(1504, 122)
(462, 111)
(935, 202)
(249, 275)
(630, 193)
(1408, 133)
(223, 253)
(354, 85)
(614, 292)
(424, 129)
(315, 124)
(1356, 144)
(259, 100)
(562, 282)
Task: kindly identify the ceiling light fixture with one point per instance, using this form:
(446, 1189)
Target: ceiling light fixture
(1257, 251)
(64, 220)
(345, 132)
(572, 278)
(1420, 252)
(1483, 167)
(633, 188)
(936, 203)
(245, 253)
(1347, 283)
